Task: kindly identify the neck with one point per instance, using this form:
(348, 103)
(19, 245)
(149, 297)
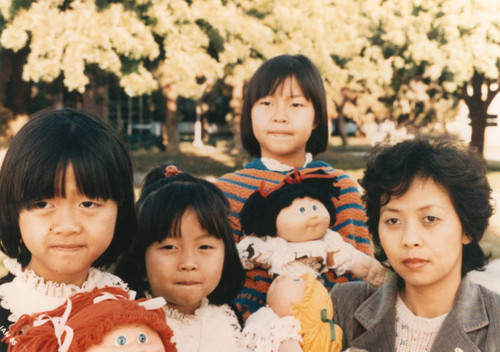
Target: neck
(429, 302)
(76, 279)
(297, 161)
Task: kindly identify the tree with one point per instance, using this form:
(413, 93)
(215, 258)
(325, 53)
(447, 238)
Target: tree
(452, 48)
(77, 40)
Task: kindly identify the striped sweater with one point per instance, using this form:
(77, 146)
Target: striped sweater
(350, 222)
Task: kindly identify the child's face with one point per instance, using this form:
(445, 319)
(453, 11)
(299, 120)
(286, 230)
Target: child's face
(186, 269)
(422, 236)
(66, 235)
(130, 338)
(282, 123)
(306, 219)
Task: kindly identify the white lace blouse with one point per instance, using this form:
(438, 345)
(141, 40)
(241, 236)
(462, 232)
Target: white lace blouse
(29, 293)
(210, 329)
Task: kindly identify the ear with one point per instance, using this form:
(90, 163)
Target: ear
(315, 123)
(466, 239)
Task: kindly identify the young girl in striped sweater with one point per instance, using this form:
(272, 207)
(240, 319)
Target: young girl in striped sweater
(284, 124)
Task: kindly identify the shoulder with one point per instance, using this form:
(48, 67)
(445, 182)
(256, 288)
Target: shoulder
(491, 301)
(7, 278)
(354, 292)
(101, 278)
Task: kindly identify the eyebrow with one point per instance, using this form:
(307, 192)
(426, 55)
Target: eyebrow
(397, 210)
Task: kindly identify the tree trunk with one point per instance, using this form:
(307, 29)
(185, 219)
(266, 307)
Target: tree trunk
(342, 130)
(95, 98)
(171, 95)
(15, 93)
(339, 106)
(236, 105)
(478, 110)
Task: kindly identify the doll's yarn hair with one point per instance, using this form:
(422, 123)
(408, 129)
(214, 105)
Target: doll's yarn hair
(89, 321)
(261, 209)
(315, 313)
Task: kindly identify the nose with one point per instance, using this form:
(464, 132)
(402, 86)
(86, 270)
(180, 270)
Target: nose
(65, 221)
(188, 261)
(280, 113)
(411, 236)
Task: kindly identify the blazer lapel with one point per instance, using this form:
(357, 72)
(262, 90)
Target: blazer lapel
(377, 316)
(467, 315)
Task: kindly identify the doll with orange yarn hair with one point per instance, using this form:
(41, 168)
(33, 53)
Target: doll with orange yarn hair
(102, 320)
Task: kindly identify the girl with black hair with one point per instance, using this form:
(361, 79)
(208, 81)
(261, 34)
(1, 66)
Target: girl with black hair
(185, 252)
(67, 210)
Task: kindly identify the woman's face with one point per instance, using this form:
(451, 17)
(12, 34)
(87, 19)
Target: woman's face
(422, 236)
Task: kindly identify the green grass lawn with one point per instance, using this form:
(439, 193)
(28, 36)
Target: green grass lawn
(214, 160)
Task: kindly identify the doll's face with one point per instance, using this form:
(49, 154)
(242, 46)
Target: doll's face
(283, 292)
(130, 338)
(306, 219)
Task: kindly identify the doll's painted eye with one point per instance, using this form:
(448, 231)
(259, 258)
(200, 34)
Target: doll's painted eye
(315, 207)
(302, 209)
(142, 338)
(121, 340)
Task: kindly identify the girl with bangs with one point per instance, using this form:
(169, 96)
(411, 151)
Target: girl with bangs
(185, 252)
(66, 211)
(284, 124)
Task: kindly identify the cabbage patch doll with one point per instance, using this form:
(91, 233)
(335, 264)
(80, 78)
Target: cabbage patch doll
(290, 226)
(298, 317)
(102, 320)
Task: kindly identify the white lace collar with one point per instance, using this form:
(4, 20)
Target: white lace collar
(29, 293)
(275, 165)
(173, 313)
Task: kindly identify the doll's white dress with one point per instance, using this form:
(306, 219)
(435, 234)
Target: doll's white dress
(280, 256)
(210, 329)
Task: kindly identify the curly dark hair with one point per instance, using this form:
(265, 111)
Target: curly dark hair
(391, 171)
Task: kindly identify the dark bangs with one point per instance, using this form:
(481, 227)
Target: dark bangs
(267, 79)
(161, 213)
(35, 169)
(96, 168)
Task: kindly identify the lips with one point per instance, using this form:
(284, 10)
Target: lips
(188, 283)
(67, 247)
(280, 133)
(415, 263)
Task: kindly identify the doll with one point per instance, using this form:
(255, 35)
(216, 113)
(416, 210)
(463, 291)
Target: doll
(292, 236)
(303, 310)
(106, 319)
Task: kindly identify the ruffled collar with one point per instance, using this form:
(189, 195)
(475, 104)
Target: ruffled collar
(30, 293)
(51, 288)
(275, 165)
(172, 313)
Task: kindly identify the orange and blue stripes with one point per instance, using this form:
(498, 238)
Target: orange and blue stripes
(350, 222)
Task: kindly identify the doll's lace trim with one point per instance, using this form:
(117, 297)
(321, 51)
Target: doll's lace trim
(29, 293)
(274, 165)
(264, 331)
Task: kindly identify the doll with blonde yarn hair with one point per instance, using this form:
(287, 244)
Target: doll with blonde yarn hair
(303, 306)
(106, 319)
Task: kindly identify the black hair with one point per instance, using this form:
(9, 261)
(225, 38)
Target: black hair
(391, 170)
(34, 169)
(269, 77)
(163, 202)
(261, 209)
